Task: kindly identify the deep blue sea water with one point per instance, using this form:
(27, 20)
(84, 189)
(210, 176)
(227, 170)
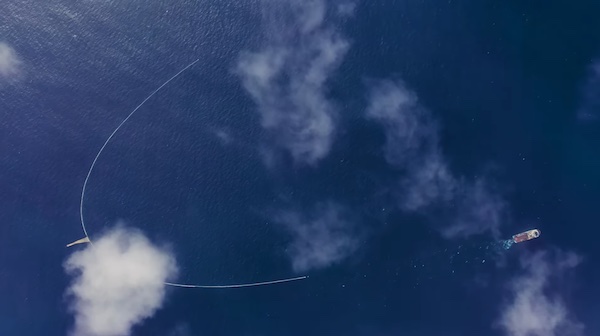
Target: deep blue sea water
(505, 80)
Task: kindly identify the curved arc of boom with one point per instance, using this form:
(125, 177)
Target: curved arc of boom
(254, 284)
(89, 173)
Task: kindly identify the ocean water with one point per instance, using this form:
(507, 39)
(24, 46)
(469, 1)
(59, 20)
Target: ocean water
(505, 81)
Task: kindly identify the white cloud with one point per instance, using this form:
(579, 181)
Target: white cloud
(533, 309)
(409, 129)
(117, 282)
(223, 135)
(428, 181)
(346, 9)
(324, 237)
(9, 61)
(412, 146)
(478, 209)
(590, 106)
(287, 79)
(181, 329)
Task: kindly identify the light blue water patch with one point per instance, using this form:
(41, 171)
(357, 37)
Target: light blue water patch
(506, 244)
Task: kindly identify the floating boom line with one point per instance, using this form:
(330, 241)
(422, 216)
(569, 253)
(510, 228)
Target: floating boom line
(89, 173)
(87, 239)
(254, 284)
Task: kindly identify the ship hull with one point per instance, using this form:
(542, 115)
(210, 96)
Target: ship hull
(527, 235)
